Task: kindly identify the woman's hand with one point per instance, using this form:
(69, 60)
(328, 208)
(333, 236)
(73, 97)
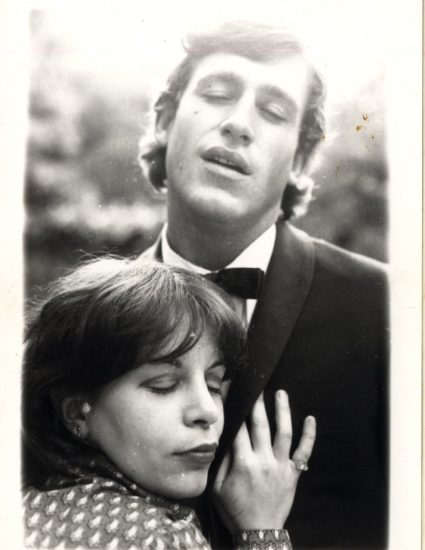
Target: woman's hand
(256, 483)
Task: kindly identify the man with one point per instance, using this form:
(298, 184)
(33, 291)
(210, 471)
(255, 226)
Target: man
(235, 132)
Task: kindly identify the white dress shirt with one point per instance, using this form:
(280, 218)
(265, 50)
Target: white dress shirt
(257, 254)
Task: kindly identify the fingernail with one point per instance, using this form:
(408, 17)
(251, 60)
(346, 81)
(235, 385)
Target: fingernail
(281, 394)
(311, 419)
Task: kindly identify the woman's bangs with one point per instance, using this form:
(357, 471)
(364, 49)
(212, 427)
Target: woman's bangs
(177, 333)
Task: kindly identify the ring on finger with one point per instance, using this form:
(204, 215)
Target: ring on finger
(301, 465)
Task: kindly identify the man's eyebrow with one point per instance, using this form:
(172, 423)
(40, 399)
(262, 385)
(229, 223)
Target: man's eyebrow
(224, 76)
(267, 89)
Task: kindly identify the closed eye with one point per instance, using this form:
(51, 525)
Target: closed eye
(214, 379)
(216, 388)
(275, 113)
(161, 384)
(218, 88)
(162, 390)
(217, 95)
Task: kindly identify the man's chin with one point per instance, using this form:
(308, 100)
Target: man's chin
(219, 207)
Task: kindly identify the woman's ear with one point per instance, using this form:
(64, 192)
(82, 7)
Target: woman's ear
(165, 109)
(74, 411)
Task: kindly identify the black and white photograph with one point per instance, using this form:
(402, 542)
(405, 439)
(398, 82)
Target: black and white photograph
(212, 222)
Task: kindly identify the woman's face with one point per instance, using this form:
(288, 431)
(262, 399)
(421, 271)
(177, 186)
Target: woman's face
(160, 423)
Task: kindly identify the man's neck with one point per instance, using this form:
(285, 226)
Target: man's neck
(211, 246)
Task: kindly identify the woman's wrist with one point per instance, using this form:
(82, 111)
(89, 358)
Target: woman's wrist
(262, 539)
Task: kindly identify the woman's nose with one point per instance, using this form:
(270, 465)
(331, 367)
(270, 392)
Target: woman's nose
(238, 124)
(200, 408)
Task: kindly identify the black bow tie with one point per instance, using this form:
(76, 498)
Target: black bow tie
(243, 282)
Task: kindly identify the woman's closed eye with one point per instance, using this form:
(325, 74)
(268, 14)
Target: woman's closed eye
(162, 384)
(172, 376)
(215, 387)
(214, 380)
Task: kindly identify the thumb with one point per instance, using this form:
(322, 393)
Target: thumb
(222, 472)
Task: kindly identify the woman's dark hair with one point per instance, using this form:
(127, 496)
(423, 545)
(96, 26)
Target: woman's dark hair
(259, 42)
(102, 320)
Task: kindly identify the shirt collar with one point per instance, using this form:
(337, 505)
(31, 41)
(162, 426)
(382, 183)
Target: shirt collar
(257, 254)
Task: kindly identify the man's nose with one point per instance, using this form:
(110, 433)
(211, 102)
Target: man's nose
(201, 409)
(238, 125)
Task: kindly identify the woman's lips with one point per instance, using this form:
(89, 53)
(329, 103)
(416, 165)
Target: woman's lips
(202, 454)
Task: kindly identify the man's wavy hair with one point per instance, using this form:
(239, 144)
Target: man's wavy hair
(258, 42)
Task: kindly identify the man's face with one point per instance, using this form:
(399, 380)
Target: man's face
(232, 143)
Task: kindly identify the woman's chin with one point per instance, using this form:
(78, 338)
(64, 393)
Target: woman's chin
(186, 488)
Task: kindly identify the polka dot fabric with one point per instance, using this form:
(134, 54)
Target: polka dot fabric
(103, 515)
(88, 504)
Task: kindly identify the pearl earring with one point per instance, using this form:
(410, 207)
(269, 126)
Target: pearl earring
(86, 408)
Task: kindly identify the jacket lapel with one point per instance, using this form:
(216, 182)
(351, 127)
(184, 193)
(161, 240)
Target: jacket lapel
(286, 286)
(285, 289)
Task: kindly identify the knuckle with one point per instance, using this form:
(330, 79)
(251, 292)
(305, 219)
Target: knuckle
(260, 422)
(239, 459)
(243, 463)
(266, 465)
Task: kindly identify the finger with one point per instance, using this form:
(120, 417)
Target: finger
(242, 444)
(260, 429)
(222, 472)
(305, 448)
(283, 437)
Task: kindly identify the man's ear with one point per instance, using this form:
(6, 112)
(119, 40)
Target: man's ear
(74, 410)
(165, 109)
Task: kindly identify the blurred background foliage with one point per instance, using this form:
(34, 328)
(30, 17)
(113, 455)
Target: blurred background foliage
(85, 192)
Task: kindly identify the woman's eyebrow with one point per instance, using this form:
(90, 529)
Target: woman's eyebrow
(215, 364)
(160, 362)
(165, 361)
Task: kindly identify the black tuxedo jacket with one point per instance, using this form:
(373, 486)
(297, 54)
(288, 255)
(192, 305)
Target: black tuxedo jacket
(320, 332)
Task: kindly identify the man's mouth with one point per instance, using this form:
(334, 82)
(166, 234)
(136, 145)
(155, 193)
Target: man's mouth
(227, 158)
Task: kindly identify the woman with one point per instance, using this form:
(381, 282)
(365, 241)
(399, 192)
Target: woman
(125, 371)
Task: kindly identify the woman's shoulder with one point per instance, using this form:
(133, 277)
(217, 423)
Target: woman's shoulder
(103, 514)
